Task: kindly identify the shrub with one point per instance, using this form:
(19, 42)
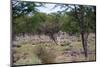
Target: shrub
(46, 54)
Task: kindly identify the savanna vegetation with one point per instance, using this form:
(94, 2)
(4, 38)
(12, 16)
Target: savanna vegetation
(36, 34)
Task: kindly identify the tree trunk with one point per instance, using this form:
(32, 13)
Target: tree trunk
(84, 32)
(84, 42)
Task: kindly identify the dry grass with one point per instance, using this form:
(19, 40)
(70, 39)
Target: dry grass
(43, 53)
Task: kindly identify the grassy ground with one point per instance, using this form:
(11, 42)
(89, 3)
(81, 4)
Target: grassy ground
(43, 53)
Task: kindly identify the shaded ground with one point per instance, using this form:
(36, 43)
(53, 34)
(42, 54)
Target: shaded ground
(42, 53)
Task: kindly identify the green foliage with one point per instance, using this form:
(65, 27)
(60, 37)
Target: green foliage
(51, 23)
(20, 8)
(70, 25)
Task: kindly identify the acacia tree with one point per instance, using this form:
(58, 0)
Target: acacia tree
(50, 26)
(85, 17)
